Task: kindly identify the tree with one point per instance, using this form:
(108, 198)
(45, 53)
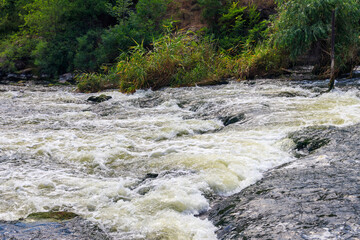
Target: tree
(121, 11)
(306, 24)
(10, 16)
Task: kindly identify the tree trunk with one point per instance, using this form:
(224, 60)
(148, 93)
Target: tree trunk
(332, 74)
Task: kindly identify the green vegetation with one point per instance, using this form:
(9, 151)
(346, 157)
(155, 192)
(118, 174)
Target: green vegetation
(179, 60)
(130, 45)
(57, 216)
(306, 24)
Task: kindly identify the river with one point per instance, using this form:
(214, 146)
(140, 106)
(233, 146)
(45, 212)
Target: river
(145, 165)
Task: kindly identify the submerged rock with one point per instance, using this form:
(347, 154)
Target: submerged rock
(60, 216)
(99, 99)
(52, 225)
(314, 197)
(312, 138)
(227, 120)
(67, 78)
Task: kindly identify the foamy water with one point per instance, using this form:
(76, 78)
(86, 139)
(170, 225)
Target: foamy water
(60, 152)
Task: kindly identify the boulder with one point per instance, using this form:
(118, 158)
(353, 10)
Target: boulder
(66, 78)
(52, 225)
(227, 120)
(99, 99)
(313, 197)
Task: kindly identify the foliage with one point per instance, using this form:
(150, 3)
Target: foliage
(53, 58)
(9, 16)
(15, 50)
(150, 13)
(303, 23)
(95, 82)
(240, 28)
(87, 54)
(121, 10)
(263, 60)
(178, 60)
(212, 9)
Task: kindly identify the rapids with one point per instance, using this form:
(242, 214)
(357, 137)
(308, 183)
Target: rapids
(145, 165)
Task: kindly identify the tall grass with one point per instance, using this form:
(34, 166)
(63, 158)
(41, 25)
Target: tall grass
(174, 60)
(262, 61)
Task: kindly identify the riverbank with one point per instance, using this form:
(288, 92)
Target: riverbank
(145, 165)
(313, 197)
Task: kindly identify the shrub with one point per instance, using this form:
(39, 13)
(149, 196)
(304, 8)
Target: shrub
(54, 57)
(303, 24)
(95, 82)
(174, 60)
(261, 61)
(241, 27)
(86, 57)
(15, 50)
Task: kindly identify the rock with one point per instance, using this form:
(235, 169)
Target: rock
(2, 73)
(52, 216)
(12, 77)
(151, 175)
(288, 94)
(19, 64)
(44, 76)
(227, 120)
(52, 225)
(26, 74)
(308, 140)
(213, 82)
(314, 197)
(66, 78)
(99, 99)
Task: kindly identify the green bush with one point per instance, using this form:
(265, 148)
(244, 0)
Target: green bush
(95, 82)
(54, 57)
(303, 24)
(151, 13)
(261, 61)
(180, 60)
(16, 49)
(240, 28)
(174, 60)
(87, 53)
(212, 9)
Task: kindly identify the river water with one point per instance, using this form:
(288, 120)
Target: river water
(144, 165)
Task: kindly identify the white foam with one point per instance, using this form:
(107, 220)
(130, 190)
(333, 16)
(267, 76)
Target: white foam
(60, 152)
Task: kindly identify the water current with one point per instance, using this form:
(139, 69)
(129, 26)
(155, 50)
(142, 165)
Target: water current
(144, 165)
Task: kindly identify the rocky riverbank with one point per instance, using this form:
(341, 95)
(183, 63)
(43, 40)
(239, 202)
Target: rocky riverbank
(52, 225)
(314, 197)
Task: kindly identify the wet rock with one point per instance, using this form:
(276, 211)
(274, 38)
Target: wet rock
(308, 140)
(99, 99)
(213, 82)
(12, 77)
(151, 175)
(26, 74)
(66, 78)
(44, 76)
(57, 225)
(227, 120)
(150, 100)
(52, 216)
(314, 197)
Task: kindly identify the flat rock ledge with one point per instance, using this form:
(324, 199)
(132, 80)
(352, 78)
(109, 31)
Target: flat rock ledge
(52, 228)
(316, 196)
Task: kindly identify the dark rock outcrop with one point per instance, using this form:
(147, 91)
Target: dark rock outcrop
(67, 78)
(99, 99)
(314, 197)
(227, 120)
(52, 225)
